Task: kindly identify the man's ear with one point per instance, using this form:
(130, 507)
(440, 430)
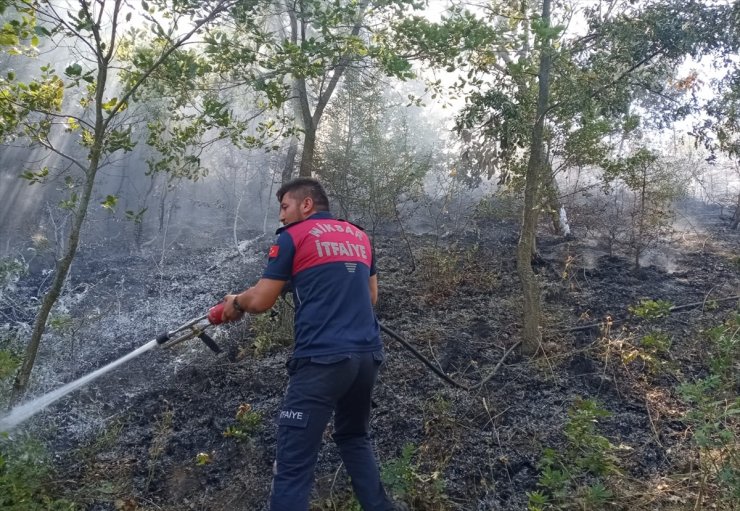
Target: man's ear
(307, 204)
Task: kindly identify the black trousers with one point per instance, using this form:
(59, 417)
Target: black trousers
(318, 387)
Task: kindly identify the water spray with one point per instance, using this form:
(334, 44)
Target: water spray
(193, 328)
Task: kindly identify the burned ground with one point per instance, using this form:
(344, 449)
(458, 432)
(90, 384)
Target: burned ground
(150, 435)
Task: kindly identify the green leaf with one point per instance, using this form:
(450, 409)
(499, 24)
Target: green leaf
(73, 70)
(70, 203)
(41, 31)
(110, 202)
(8, 39)
(72, 124)
(110, 104)
(35, 177)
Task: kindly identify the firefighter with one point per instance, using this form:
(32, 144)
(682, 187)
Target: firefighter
(330, 267)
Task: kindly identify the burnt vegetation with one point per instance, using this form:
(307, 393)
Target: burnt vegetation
(559, 256)
(631, 402)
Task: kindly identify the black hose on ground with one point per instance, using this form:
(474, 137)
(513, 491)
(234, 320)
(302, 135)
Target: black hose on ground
(438, 371)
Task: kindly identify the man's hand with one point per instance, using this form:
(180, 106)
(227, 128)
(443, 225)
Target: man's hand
(230, 313)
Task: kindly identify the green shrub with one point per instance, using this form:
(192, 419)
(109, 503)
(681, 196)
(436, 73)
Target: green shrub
(9, 363)
(443, 270)
(406, 480)
(656, 343)
(10, 271)
(651, 309)
(572, 478)
(273, 328)
(248, 422)
(714, 415)
(498, 208)
(25, 476)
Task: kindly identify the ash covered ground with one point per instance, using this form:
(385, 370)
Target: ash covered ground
(150, 434)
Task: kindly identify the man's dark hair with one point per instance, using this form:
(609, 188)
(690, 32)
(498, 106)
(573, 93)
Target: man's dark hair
(303, 187)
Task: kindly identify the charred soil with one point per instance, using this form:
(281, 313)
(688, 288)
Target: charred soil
(162, 432)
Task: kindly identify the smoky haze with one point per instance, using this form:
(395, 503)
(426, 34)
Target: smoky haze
(176, 210)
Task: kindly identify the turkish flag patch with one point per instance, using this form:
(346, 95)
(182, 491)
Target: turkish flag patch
(274, 251)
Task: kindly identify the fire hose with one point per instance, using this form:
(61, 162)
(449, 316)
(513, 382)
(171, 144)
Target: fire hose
(428, 363)
(193, 328)
(196, 328)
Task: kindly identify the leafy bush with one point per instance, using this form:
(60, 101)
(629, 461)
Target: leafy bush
(657, 343)
(715, 415)
(501, 207)
(651, 309)
(273, 328)
(248, 422)
(25, 475)
(10, 271)
(9, 363)
(404, 478)
(652, 350)
(573, 476)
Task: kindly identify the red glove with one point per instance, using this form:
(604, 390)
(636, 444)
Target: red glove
(216, 314)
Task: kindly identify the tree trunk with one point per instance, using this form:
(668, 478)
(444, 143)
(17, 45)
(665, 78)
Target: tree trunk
(309, 146)
(139, 220)
(531, 335)
(20, 384)
(104, 53)
(287, 173)
(555, 208)
(311, 120)
(736, 218)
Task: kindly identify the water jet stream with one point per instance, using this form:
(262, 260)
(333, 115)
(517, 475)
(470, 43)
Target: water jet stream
(26, 410)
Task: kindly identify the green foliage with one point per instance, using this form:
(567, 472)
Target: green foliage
(496, 52)
(715, 413)
(35, 177)
(440, 272)
(10, 271)
(203, 458)
(726, 349)
(19, 32)
(651, 309)
(273, 328)
(498, 208)
(645, 188)
(110, 202)
(399, 474)
(25, 477)
(574, 476)
(652, 351)
(62, 323)
(656, 343)
(9, 363)
(368, 158)
(27, 109)
(405, 479)
(248, 421)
